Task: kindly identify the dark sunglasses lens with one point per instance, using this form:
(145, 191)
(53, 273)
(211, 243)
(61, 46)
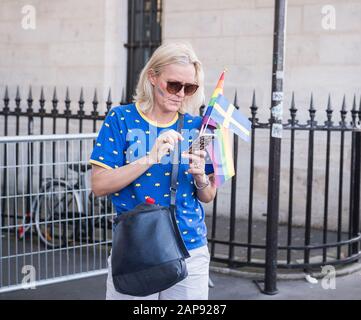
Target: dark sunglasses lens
(174, 87)
(190, 89)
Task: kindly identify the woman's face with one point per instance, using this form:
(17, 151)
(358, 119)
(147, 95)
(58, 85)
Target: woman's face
(164, 100)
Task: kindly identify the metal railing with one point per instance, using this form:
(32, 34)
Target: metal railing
(236, 235)
(52, 229)
(44, 120)
(312, 247)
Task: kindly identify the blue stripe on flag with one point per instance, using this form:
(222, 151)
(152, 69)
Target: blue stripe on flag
(242, 127)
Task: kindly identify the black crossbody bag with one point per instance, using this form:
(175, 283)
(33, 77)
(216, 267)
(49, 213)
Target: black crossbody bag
(148, 252)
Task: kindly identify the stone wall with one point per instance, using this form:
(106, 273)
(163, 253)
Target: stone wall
(238, 35)
(74, 43)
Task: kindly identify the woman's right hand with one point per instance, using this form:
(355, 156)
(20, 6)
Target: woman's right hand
(163, 144)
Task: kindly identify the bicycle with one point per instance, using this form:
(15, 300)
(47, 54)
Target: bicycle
(63, 213)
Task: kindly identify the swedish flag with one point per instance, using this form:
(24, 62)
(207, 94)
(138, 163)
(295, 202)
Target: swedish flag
(226, 114)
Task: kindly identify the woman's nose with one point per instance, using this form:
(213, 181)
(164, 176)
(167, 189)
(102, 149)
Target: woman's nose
(181, 93)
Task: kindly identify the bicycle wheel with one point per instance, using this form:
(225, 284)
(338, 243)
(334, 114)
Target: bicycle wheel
(28, 221)
(57, 215)
(25, 226)
(101, 210)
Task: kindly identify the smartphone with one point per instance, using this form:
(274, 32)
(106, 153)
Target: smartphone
(201, 142)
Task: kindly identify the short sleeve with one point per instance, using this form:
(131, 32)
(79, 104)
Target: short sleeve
(110, 144)
(209, 168)
(209, 165)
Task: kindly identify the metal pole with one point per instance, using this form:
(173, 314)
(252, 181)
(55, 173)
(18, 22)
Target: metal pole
(232, 226)
(355, 192)
(275, 147)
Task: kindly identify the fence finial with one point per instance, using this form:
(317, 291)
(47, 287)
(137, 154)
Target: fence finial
(81, 102)
(6, 97)
(354, 111)
(6, 101)
(254, 104)
(17, 99)
(95, 112)
(95, 98)
(55, 98)
(30, 95)
(293, 106)
(42, 99)
(254, 108)
(109, 101)
(329, 105)
(293, 109)
(67, 98)
(344, 103)
(81, 99)
(329, 111)
(343, 111)
(42, 94)
(254, 98)
(235, 102)
(67, 101)
(122, 99)
(95, 107)
(30, 101)
(17, 93)
(312, 112)
(311, 103)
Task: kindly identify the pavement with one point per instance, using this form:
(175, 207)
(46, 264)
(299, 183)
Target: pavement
(229, 284)
(226, 287)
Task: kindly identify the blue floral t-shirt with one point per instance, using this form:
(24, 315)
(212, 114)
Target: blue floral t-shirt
(127, 135)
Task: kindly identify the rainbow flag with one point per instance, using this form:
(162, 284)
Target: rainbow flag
(220, 150)
(207, 122)
(221, 154)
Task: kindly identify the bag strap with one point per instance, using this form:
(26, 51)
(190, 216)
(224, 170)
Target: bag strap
(173, 190)
(175, 163)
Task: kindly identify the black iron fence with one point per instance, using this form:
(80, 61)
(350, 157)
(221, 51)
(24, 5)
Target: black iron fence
(304, 247)
(34, 120)
(237, 235)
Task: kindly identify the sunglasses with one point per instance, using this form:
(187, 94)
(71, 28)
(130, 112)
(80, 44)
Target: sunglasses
(174, 87)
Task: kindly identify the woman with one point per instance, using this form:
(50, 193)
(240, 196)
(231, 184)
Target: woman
(129, 158)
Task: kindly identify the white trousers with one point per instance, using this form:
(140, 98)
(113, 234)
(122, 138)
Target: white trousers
(193, 287)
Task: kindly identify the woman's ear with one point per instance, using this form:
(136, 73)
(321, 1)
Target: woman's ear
(151, 77)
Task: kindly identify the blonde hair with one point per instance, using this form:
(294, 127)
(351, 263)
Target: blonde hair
(166, 54)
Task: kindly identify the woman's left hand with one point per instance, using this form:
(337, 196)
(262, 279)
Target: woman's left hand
(197, 164)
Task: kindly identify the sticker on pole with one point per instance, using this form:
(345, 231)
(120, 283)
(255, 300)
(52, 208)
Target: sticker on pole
(277, 111)
(277, 96)
(277, 130)
(279, 75)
